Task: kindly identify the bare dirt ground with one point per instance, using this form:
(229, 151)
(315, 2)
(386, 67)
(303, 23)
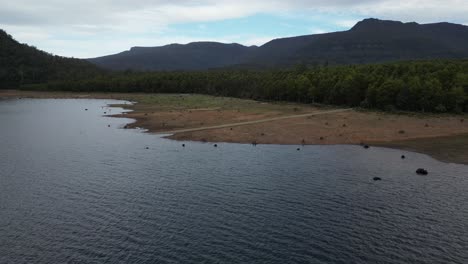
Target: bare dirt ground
(218, 119)
(341, 127)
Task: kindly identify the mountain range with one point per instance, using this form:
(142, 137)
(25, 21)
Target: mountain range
(369, 41)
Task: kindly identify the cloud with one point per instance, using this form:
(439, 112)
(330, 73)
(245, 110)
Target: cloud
(162, 12)
(125, 13)
(317, 30)
(90, 26)
(346, 23)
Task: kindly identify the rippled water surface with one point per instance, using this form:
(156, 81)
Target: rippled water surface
(73, 189)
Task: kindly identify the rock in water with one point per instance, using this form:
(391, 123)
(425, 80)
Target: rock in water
(422, 172)
(377, 179)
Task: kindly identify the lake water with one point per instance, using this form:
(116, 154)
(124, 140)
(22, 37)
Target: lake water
(74, 190)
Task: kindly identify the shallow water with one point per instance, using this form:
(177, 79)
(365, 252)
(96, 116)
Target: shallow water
(74, 190)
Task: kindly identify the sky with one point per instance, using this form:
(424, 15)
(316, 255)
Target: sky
(91, 28)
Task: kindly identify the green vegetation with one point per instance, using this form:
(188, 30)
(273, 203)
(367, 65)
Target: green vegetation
(427, 86)
(167, 102)
(22, 64)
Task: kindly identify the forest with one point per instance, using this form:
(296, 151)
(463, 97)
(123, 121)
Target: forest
(23, 64)
(425, 86)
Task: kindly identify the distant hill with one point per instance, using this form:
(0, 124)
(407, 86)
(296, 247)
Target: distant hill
(369, 41)
(23, 64)
(193, 56)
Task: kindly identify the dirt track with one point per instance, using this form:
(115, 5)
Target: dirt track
(254, 122)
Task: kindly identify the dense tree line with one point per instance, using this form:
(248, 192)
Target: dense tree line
(435, 86)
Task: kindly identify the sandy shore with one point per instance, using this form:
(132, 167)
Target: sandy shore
(214, 119)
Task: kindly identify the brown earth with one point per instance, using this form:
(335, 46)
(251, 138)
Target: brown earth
(217, 119)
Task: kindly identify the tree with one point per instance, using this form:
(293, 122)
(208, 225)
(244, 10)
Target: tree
(386, 94)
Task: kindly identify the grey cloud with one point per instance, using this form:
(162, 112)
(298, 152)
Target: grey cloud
(30, 12)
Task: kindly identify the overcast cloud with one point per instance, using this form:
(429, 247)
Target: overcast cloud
(90, 28)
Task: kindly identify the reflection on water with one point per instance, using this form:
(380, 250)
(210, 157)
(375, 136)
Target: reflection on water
(73, 189)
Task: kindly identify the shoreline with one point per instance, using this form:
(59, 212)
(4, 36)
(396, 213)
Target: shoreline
(218, 119)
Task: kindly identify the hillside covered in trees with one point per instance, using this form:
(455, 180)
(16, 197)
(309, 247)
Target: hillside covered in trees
(23, 64)
(369, 41)
(435, 86)
(428, 86)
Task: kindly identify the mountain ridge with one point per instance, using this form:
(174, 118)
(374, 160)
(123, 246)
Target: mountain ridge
(199, 55)
(369, 41)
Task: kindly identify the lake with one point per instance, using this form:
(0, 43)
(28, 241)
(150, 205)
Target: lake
(77, 188)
